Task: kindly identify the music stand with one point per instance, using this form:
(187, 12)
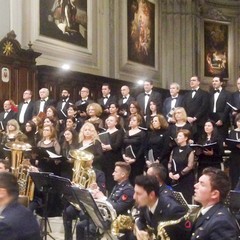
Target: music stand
(43, 184)
(86, 201)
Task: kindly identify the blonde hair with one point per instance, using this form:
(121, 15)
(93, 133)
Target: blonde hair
(14, 123)
(183, 112)
(92, 129)
(97, 108)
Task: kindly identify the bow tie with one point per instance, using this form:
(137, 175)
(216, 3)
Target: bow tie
(174, 98)
(217, 90)
(6, 111)
(105, 97)
(124, 97)
(25, 102)
(42, 100)
(147, 94)
(194, 90)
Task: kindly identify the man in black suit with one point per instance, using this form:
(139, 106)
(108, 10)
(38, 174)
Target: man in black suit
(124, 103)
(218, 107)
(155, 208)
(196, 104)
(170, 103)
(16, 221)
(214, 220)
(62, 107)
(106, 99)
(236, 101)
(149, 95)
(7, 114)
(25, 108)
(83, 103)
(44, 102)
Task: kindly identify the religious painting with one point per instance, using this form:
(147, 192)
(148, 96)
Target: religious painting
(64, 20)
(216, 49)
(141, 32)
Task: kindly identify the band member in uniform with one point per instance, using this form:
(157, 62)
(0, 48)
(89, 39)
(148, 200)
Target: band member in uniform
(155, 208)
(16, 221)
(121, 197)
(214, 221)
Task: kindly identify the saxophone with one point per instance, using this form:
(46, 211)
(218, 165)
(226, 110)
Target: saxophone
(191, 215)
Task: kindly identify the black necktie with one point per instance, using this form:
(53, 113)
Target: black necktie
(217, 90)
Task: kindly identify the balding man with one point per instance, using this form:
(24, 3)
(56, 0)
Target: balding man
(170, 103)
(7, 114)
(83, 102)
(44, 102)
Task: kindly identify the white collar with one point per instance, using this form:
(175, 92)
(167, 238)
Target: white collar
(153, 208)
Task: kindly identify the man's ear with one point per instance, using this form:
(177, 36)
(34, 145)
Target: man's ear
(215, 195)
(152, 194)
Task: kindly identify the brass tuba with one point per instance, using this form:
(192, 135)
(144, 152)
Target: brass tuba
(83, 174)
(20, 168)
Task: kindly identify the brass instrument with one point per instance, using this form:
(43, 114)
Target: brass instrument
(191, 215)
(20, 168)
(83, 174)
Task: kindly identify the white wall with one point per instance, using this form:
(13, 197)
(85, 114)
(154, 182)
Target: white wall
(5, 17)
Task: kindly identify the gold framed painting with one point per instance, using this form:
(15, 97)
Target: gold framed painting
(141, 31)
(216, 49)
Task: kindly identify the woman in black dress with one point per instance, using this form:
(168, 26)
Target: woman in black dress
(158, 141)
(181, 166)
(112, 151)
(136, 138)
(210, 157)
(234, 161)
(70, 142)
(49, 142)
(90, 142)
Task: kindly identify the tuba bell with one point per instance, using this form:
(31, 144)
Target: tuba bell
(83, 174)
(20, 168)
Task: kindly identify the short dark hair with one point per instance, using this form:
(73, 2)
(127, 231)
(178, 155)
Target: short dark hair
(160, 172)
(148, 183)
(219, 181)
(5, 162)
(9, 182)
(106, 85)
(124, 166)
(149, 81)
